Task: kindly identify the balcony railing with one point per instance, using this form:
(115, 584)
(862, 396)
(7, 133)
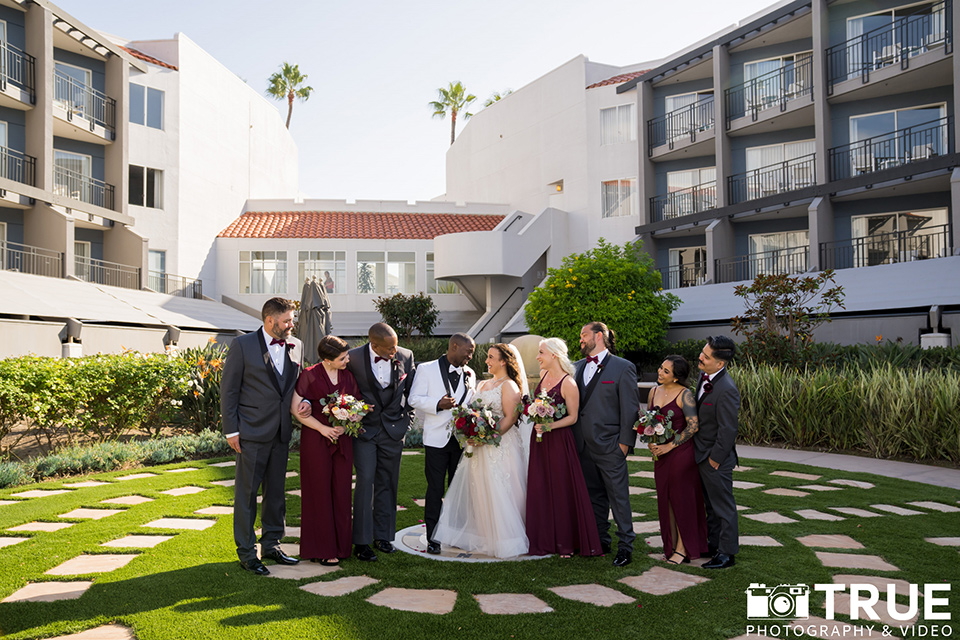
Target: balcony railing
(782, 177)
(18, 166)
(685, 122)
(83, 188)
(109, 273)
(791, 81)
(895, 149)
(85, 101)
(886, 248)
(174, 285)
(679, 276)
(895, 43)
(33, 260)
(18, 69)
(778, 262)
(695, 199)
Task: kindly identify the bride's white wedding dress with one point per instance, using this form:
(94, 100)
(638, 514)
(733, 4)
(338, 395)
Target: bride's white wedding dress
(485, 506)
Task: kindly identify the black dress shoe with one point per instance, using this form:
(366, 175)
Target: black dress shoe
(720, 561)
(384, 545)
(623, 559)
(364, 552)
(605, 547)
(278, 556)
(255, 566)
(433, 548)
(711, 551)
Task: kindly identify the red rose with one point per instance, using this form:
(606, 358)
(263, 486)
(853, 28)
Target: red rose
(460, 422)
(707, 387)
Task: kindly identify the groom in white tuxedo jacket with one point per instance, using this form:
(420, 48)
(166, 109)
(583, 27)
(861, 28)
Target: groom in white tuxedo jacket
(438, 387)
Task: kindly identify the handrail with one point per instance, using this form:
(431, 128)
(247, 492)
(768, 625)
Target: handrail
(105, 272)
(774, 262)
(15, 256)
(682, 202)
(18, 166)
(778, 87)
(900, 147)
(17, 68)
(685, 121)
(680, 276)
(886, 248)
(85, 101)
(772, 179)
(171, 284)
(84, 188)
(499, 309)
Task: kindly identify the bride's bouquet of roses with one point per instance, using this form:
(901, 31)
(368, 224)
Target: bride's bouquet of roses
(475, 424)
(543, 411)
(654, 427)
(345, 411)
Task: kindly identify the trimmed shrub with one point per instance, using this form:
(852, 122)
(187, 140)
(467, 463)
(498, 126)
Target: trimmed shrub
(410, 313)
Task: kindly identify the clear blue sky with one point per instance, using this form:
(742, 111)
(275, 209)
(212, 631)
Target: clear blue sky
(367, 132)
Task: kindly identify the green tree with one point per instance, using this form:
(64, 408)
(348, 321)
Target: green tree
(407, 314)
(365, 279)
(613, 284)
(497, 96)
(452, 99)
(289, 83)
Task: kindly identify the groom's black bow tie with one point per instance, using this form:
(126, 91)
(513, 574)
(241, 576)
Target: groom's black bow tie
(454, 376)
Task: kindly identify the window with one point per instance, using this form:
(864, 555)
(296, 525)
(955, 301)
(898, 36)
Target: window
(328, 268)
(146, 187)
(778, 78)
(779, 253)
(778, 168)
(617, 125)
(401, 272)
(81, 260)
(371, 272)
(72, 88)
(157, 270)
(146, 106)
(71, 175)
(884, 38)
(883, 148)
(885, 238)
(619, 198)
(688, 113)
(438, 286)
(688, 267)
(263, 272)
(690, 191)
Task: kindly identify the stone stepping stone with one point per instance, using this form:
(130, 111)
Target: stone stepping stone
(99, 563)
(759, 541)
(409, 453)
(339, 587)
(39, 493)
(42, 526)
(841, 604)
(650, 526)
(137, 542)
(741, 507)
(91, 514)
(901, 587)
(742, 468)
(635, 458)
(86, 484)
(295, 492)
(511, 603)
(288, 532)
(659, 581)
(214, 511)
(182, 469)
(228, 463)
(790, 493)
(106, 632)
(289, 548)
(4, 503)
(224, 483)
(854, 511)
(829, 541)
(770, 517)
(136, 476)
(743, 484)
(894, 509)
(642, 474)
(595, 594)
(819, 487)
(859, 484)
(291, 474)
(420, 502)
(436, 601)
(823, 628)
(194, 524)
(854, 561)
(300, 571)
(945, 542)
(633, 515)
(131, 500)
(654, 541)
(9, 541)
(639, 491)
(935, 506)
(49, 591)
(183, 491)
(400, 507)
(813, 514)
(794, 474)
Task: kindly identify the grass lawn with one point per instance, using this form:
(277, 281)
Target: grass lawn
(192, 586)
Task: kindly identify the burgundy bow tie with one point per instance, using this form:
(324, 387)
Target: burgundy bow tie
(377, 359)
(594, 359)
(704, 378)
(282, 343)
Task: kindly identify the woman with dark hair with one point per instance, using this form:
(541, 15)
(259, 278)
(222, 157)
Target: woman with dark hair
(683, 522)
(326, 458)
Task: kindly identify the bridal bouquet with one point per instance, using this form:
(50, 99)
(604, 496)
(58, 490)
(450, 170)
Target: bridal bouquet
(475, 424)
(654, 427)
(542, 410)
(343, 410)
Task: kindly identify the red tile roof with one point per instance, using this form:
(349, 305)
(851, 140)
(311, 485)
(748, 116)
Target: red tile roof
(623, 77)
(142, 56)
(348, 224)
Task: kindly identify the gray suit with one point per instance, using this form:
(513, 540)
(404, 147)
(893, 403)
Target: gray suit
(718, 415)
(608, 411)
(377, 451)
(255, 401)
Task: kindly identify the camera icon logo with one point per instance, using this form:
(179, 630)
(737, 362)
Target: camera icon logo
(784, 601)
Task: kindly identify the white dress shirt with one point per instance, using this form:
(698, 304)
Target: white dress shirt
(278, 352)
(380, 369)
(591, 369)
(710, 378)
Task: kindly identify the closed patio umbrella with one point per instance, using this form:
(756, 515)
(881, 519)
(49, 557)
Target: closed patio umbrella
(314, 322)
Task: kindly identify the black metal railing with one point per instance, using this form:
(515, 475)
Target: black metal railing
(109, 273)
(903, 146)
(685, 122)
(895, 43)
(34, 260)
(782, 177)
(18, 69)
(777, 262)
(18, 166)
(776, 88)
(77, 186)
(679, 276)
(174, 285)
(886, 248)
(85, 101)
(681, 202)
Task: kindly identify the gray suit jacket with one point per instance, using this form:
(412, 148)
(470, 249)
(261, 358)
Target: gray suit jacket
(390, 409)
(254, 400)
(718, 413)
(608, 407)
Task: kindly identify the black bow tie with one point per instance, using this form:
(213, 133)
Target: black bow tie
(377, 359)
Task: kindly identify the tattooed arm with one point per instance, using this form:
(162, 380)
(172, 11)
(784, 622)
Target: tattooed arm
(689, 405)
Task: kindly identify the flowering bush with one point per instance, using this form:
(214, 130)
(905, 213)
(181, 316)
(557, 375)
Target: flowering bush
(200, 402)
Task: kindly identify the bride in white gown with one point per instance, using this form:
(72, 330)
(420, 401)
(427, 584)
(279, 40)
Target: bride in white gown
(485, 507)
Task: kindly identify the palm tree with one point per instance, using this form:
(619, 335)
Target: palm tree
(454, 99)
(286, 84)
(497, 96)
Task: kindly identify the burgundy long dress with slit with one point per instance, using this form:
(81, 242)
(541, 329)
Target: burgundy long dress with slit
(326, 471)
(678, 485)
(559, 514)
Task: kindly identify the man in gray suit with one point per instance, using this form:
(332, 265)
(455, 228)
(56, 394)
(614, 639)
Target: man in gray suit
(259, 376)
(718, 406)
(609, 402)
(384, 373)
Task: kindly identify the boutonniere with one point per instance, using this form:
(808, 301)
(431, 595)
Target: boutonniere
(707, 387)
(467, 377)
(402, 378)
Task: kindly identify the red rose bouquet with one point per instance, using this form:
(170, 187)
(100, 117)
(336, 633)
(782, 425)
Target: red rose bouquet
(475, 425)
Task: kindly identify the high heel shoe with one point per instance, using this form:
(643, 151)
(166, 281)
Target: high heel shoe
(683, 558)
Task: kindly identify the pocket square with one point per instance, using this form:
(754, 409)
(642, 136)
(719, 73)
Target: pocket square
(606, 382)
(707, 404)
